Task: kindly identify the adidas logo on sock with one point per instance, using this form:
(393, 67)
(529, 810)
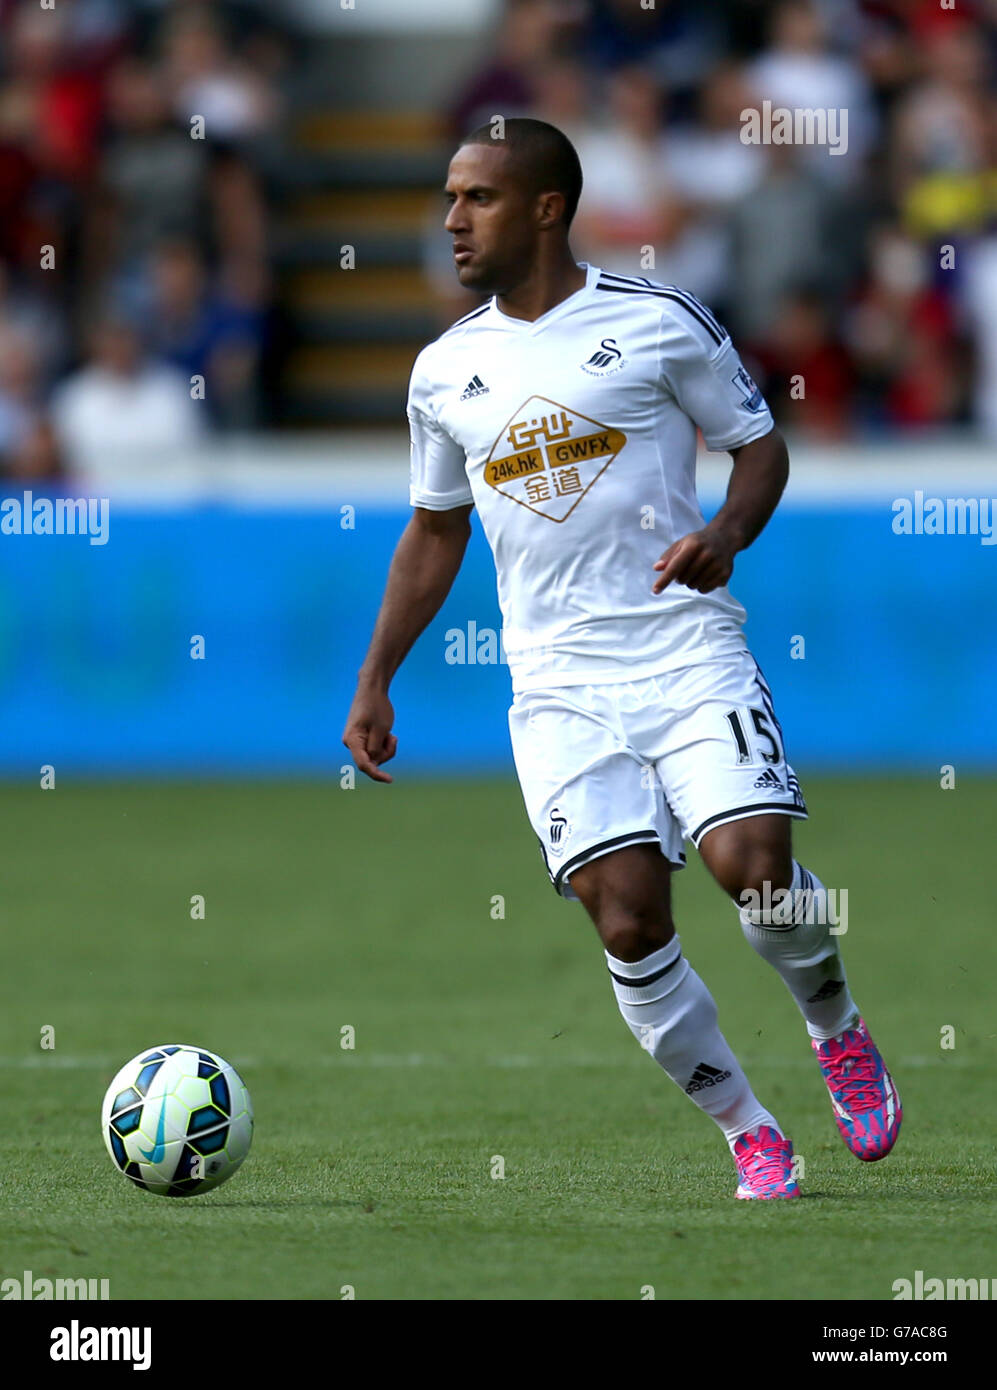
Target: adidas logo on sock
(827, 991)
(703, 1076)
(475, 387)
(769, 779)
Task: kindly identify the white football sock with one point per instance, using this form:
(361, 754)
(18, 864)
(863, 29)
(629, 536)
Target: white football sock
(672, 1015)
(794, 935)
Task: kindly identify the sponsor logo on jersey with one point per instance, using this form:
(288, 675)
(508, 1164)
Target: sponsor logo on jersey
(770, 780)
(705, 1076)
(606, 359)
(752, 395)
(548, 456)
(475, 387)
(558, 831)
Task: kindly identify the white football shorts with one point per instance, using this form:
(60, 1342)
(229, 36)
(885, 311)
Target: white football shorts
(652, 761)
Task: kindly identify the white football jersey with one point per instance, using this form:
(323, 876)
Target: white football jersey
(575, 438)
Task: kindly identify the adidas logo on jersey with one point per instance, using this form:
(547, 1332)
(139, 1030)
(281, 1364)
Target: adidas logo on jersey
(606, 360)
(704, 1076)
(770, 780)
(475, 387)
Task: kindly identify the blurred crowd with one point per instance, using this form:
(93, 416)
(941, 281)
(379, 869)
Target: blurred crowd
(135, 299)
(137, 309)
(871, 276)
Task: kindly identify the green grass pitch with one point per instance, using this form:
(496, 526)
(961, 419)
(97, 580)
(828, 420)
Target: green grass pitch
(476, 1036)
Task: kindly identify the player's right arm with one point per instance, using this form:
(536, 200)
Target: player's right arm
(423, 569)
(422, 572)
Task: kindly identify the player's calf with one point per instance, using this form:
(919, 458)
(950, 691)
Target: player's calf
(786, 916)
(665, 1004)
(790, 922)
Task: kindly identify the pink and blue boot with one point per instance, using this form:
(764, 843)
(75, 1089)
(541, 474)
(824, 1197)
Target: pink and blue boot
(866, 1104)
(764, 1165)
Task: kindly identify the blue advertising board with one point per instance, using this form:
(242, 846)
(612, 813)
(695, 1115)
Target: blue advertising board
(102, 673)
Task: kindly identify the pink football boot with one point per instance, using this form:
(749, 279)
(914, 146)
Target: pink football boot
(866, 1105)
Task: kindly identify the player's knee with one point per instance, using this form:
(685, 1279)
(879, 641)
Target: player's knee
(632, 932)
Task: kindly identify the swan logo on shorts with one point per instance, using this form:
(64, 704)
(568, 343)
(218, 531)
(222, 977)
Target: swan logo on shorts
(558, 831)
(548, 457)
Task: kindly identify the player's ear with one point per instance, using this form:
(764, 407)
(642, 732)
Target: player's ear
(550, 209)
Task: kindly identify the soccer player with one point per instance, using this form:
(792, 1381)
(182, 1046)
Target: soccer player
(565, 409)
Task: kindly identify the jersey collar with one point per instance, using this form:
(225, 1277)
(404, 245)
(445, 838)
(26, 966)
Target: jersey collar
(592, 274)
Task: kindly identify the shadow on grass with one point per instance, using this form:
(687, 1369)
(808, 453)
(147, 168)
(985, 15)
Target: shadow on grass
(289, 1203)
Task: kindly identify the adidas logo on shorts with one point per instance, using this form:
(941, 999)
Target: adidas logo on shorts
(770, 780)
(703, 1076)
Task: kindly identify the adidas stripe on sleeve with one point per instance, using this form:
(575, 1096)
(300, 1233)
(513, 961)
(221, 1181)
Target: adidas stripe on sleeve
(699, 365)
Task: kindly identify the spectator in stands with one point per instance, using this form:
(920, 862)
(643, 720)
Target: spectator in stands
(805, 371)
(784, 233)
(37, 459)
(710, 168)
(211, 330)
(981, 305)
(207, 80)
(903, 337)
(63, 94)
(152, 181)
(942, 150)
(564, 99)
(22, 230)
(626, 203)
(800, 72)
(35, 316)
(678, 41)
(511, 80)
(97, 31)
(707, 157)
(887, 52)
(21, 390)
(123, 402)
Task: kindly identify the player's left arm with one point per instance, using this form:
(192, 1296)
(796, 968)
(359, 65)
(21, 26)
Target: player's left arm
(704, 560)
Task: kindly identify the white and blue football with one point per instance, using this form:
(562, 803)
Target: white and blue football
(177, 1120)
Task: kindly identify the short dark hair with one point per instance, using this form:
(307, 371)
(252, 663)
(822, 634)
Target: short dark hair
(544, 154)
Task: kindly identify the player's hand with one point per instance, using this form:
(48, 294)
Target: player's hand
(368, 733)
(703, 560)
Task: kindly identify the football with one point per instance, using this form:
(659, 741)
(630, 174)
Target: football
(177, 1120)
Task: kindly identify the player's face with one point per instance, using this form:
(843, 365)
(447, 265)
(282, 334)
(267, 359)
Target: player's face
(491, 220)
